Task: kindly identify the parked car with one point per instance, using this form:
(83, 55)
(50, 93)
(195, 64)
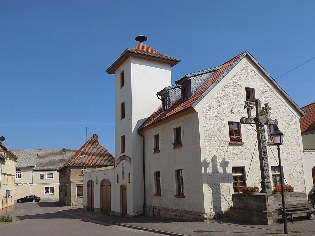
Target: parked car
(30, 198)
(311, 196)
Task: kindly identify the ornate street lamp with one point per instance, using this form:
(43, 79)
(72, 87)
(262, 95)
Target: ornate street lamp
(277, 137)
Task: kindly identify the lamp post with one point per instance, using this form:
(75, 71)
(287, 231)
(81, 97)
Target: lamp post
(277, 137)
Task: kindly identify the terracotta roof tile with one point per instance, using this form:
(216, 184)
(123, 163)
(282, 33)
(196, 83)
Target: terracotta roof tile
(92, 153)
(308, 120)
(180, 106)
(141, 50)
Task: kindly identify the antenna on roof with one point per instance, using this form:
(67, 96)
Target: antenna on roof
(141, 38)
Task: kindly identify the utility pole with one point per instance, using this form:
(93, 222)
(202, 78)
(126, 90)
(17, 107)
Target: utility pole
(262, 118)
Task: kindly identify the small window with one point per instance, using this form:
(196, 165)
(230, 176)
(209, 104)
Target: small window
(79, 190)
(122, 110)
(235, 132)
(186, 93)
(122, 79)
(41, 176)
(250, 94)
(117, 178)
(165, 102)
(177, 137)
(83, 169)
(122, 173)
(18, 174)
(129, 178)
(156, 147)
(270, 129)
(275, 172)
(179, 182)
(49, 175)
(122, 144)
(49, 190)
(239, 183)
(157, 181)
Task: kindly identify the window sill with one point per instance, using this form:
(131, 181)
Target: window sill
(179, 196)
(156, 151)
(236, 143)
(270, 143)
(176, 146)
(157, 195)
(251, 102)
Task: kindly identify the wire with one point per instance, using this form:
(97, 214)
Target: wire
(295, 68)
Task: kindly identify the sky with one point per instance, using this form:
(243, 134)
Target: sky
(54, 54)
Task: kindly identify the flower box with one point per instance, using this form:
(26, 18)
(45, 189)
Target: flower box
(236, 138)
(250, 190)
(286, 189)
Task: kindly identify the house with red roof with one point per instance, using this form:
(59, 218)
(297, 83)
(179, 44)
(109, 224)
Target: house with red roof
(90, 157)
(308, 137)
(180, 149)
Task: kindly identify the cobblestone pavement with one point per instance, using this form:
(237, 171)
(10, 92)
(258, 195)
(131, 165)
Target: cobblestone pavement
(300, 226)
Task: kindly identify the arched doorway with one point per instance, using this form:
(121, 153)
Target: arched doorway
(105, 196)
(313, 175)
(123, 200)
(90, 195)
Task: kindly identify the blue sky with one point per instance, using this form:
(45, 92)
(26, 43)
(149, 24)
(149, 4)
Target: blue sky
(53, 56)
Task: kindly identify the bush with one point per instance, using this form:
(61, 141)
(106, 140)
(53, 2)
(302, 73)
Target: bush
(5, 219)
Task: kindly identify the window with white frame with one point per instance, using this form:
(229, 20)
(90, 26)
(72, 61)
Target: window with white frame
(49, 190)
(157, 180)
(275, 173)
(41, 176)
(18, 174)
(49, 175)
(270, 129)
(156, 147)
(239, 179)
(177, 137)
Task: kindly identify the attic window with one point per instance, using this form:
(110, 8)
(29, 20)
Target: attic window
(250, 94)
(122, 79)
(186, 92)
(165, 102)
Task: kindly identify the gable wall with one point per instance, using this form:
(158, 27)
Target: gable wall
(226, 103)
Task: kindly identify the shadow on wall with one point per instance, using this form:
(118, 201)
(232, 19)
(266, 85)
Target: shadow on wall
(214, 180)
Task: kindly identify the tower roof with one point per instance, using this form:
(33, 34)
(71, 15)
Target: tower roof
(142, 51)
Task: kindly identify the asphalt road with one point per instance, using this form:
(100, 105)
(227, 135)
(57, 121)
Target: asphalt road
(32, 219)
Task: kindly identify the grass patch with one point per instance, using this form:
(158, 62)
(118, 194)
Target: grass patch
(5, 219)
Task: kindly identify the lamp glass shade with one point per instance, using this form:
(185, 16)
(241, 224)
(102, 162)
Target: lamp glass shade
(277, 137)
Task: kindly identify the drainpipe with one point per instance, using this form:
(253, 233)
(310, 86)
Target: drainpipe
(143, 170)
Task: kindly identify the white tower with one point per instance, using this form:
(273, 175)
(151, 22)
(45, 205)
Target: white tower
(140, 73)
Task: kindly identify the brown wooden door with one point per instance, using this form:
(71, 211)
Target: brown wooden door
(90, 195)
(123, 200)
(105, 196)
(313, 175)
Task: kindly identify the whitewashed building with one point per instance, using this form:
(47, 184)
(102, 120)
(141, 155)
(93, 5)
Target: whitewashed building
(180, 149)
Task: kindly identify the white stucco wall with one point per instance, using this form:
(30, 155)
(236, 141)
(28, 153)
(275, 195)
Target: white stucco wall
(226, 103)
(309, 164)
(143, 79)
(168, 160)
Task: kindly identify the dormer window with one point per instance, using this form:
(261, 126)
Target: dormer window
(250, 94)
(165, 102)
(186, 93)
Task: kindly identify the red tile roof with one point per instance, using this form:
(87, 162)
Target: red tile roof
(308, 120)
(92, 153)
(142, 51)
(180, 106)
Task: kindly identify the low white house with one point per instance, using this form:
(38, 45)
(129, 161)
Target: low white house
(180, 149)
(308, 136)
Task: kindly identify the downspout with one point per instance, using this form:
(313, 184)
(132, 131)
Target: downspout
(143, 170)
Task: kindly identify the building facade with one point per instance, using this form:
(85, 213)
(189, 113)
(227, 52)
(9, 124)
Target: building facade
(7, 174)
(36, 172)
(90, 157)
(184, 145)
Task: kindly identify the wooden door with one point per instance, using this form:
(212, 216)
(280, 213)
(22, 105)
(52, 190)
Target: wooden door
(123, 200)
(313, 175)
(90, 195)
(105, 196)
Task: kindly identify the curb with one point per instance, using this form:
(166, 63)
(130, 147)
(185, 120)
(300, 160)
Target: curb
(151, 230)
